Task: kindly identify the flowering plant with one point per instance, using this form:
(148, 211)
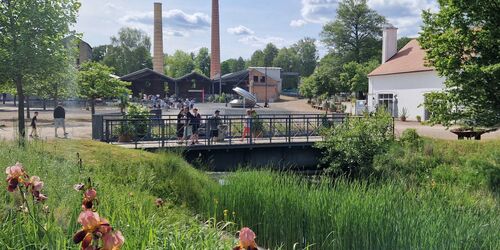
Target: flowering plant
(96, 232)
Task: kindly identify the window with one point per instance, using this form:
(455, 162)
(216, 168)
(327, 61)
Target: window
(262, 79)
(255, 78)
(387, 101)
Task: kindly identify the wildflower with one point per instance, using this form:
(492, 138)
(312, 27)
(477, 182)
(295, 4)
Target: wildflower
(159, 202)
(88, 198)
(247, 240)
(95, 228)
(15, 175)
(112, 240)
(36, 187)
(225, 212)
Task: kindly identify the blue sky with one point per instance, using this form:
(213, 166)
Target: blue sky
(246, 25)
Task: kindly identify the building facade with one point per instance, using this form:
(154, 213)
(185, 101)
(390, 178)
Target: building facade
(402, 80)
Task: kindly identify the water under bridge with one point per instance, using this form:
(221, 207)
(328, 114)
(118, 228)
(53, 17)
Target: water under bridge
(277, 140)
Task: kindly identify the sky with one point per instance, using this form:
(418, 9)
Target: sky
(245, 25)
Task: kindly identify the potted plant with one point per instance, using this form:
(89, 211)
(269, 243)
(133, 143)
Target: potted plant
(404, 114)
(125, 132)
(419, 118)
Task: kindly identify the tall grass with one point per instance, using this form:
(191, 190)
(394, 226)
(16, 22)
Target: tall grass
(288, 210)
(127, 182)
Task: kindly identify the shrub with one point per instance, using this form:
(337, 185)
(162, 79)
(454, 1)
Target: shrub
(404, 114)
(349, 148)
(419, 118)
(411, 137)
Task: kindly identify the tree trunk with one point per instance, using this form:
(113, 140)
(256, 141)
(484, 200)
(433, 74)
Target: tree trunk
(28, 114)
(92, 106)
(15, 100)
(20, 109)
(4, 96)
(44, 103)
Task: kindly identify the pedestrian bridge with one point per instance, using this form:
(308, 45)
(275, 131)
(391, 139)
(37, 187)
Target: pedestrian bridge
(273, 139)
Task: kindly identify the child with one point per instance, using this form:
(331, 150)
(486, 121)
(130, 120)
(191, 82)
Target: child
(34, 132)
(246, 240)
(247, 124)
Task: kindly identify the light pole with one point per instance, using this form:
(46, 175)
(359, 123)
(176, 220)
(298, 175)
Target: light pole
(265, 78)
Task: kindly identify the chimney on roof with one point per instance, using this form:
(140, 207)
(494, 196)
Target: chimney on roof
(215, 69)
(389, 42)
(158, 39)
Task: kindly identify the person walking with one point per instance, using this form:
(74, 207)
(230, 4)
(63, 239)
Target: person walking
(59, 117)
(195, 125)
(213, 125)
(34, 132)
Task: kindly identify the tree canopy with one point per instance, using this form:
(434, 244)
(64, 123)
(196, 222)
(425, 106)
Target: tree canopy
(128, 52)
(95, 81)
(307, 53)
(179, 64)
(202, 61)
(355, 33)
(462, 41)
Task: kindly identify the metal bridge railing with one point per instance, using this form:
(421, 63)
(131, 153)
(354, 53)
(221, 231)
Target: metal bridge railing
(228, 130)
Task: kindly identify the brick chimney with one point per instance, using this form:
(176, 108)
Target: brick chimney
(158, 40)
(215, 57)
(389, 42)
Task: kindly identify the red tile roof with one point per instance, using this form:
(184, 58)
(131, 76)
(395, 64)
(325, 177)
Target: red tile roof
(411, 58)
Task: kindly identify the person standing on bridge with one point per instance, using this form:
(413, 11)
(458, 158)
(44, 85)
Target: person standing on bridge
(188, 129)
(195, 124)
(247, 125)
(180, 126)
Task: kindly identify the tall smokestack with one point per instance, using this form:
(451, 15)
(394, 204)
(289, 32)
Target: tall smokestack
(215, 57)
(158, 40)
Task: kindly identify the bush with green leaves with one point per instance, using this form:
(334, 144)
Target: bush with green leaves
(349, 148)
(410, 137)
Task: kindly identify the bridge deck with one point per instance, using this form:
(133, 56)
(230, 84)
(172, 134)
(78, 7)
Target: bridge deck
(228, 143)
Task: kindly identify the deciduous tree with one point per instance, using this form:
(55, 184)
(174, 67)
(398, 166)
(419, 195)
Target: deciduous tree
(95, 81)
(31, 40)
(355, 33)
(129, 51)
(462, 41)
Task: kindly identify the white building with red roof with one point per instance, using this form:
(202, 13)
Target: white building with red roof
(402, 79)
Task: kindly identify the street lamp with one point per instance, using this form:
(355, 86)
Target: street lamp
(265, 78)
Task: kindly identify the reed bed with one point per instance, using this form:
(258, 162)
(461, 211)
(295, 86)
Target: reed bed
(296, 213)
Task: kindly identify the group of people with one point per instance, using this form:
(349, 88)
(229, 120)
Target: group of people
(59, 122)
(156, 102)
(188, 125)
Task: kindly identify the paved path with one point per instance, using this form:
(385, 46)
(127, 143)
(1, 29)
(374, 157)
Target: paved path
(78, 120)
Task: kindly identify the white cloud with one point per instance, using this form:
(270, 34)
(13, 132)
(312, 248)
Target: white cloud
(174, 18)
(298, 23)
(318, 11)
(259, 42)
(240, 31)
(404, 14)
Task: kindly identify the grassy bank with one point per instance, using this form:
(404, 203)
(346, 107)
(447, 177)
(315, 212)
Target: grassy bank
(127, 182)
(440, 196)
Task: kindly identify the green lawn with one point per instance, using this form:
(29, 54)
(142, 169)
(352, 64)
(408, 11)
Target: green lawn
(127, 181)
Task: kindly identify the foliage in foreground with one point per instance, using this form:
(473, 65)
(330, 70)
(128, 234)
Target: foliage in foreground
(128, 183)
(429, 194)
(286, 210)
